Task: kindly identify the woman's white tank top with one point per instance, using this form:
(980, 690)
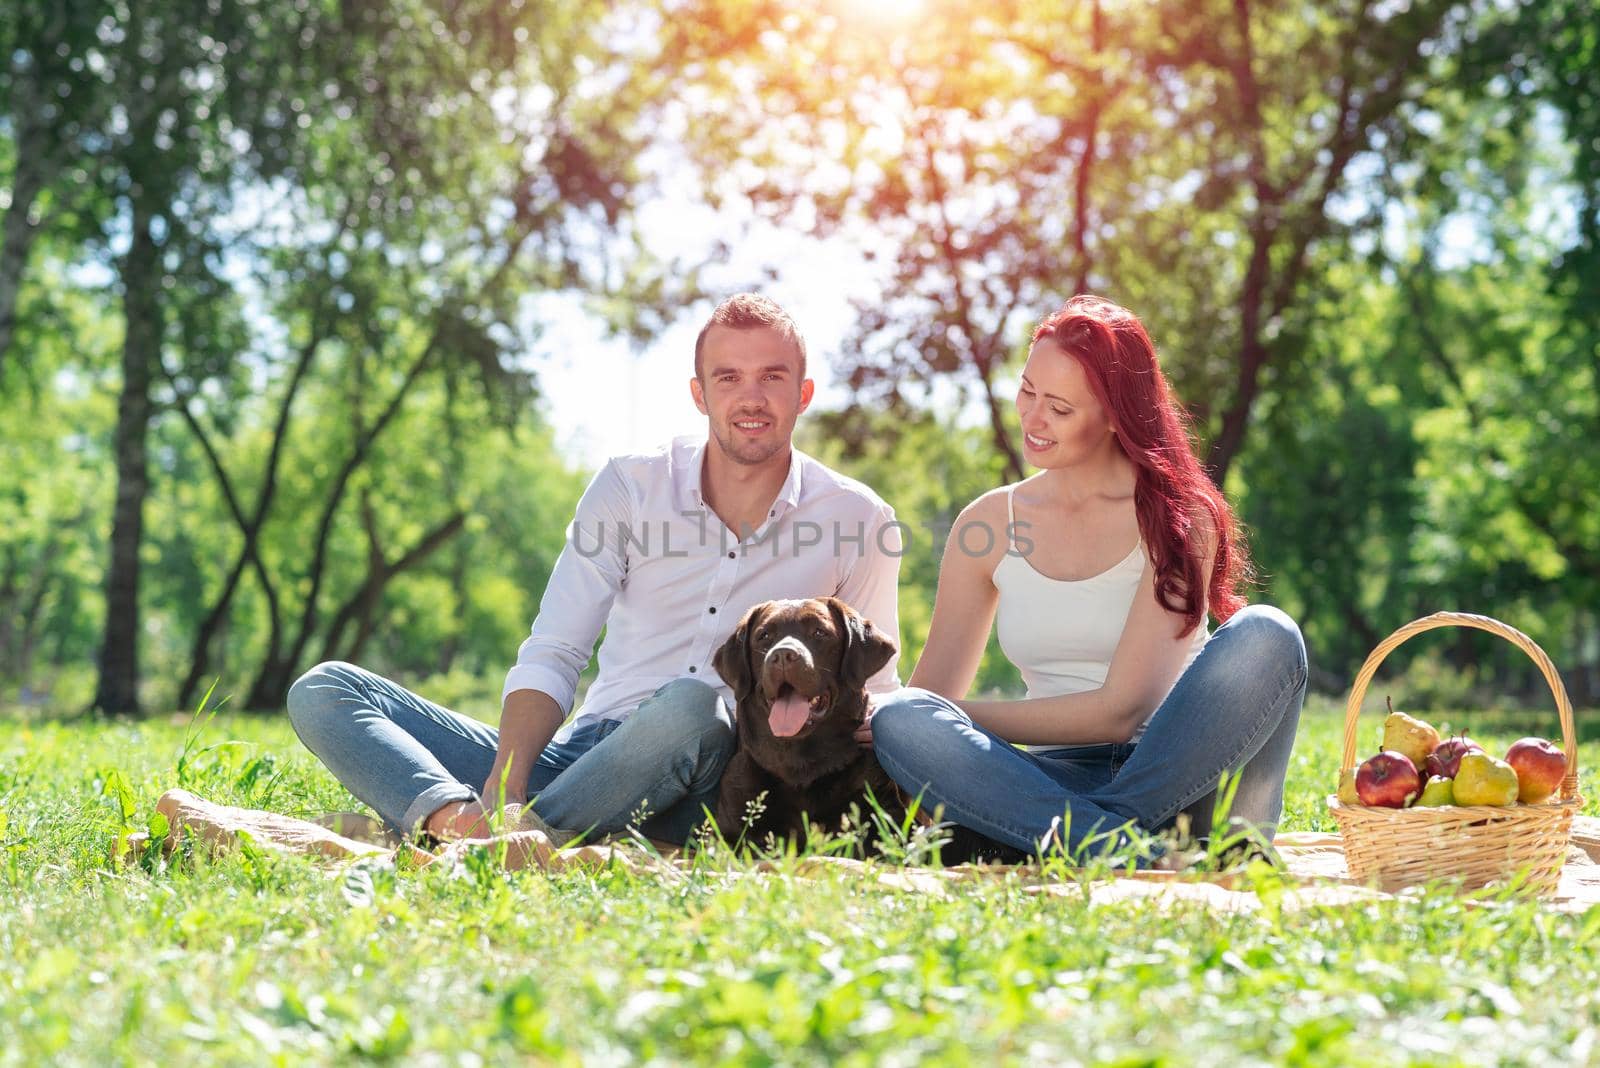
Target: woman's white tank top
(1061, 633)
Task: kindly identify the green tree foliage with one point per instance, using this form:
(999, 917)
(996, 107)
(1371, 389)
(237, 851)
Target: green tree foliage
(1434, 453)
(54, 475)
(1183, 159)
(265, 272)
(1280, 191)
(323, 223)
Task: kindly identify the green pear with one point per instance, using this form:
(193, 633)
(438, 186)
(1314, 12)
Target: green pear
(1483, 780)
(1347, 788)
(1438, 791)
(1409, 735)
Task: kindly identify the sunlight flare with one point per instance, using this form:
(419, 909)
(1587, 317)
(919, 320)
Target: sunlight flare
(884, 11)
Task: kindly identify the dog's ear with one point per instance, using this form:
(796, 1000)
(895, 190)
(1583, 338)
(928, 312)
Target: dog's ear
(865, 649)
(733, 658)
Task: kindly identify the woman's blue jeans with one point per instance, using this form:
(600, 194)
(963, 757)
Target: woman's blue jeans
(1235, 709)
(407, 757)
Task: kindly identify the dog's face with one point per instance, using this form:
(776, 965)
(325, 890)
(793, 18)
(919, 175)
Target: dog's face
(804, 663)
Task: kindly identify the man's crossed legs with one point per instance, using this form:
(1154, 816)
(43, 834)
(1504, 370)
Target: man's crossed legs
(407, 757)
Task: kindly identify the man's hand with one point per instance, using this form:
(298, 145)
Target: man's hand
(498, 780)
(527, 723)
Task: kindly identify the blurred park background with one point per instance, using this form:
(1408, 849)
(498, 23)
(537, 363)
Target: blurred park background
(315, 315)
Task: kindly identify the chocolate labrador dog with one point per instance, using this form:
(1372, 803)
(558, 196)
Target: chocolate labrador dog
(798, 670)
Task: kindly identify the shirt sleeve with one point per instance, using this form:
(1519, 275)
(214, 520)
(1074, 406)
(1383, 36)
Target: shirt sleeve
(872, 587)
(585, 581)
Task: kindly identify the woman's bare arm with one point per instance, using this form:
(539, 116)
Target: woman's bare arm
(1148, 659)
(964, 606)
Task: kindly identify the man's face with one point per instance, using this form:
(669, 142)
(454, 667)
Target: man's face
(751, 391)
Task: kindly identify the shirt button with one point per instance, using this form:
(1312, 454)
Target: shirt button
(731, 555)
(691, 669)
(713, 609)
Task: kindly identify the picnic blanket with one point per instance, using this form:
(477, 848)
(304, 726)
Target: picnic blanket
(1314, 872)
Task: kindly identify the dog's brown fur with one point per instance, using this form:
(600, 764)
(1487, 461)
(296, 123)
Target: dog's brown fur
(824, 651)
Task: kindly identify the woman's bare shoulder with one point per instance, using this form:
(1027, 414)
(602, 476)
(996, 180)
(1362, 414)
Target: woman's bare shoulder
(982, 530)
(990, 510)
(986, 506)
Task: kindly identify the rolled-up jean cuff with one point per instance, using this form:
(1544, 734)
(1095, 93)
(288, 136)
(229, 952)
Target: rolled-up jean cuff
(432, 800)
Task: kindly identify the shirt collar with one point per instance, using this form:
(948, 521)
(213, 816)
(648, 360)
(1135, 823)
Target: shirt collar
(789, 492)
(694, 470)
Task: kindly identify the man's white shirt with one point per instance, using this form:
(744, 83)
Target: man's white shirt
(646, 559)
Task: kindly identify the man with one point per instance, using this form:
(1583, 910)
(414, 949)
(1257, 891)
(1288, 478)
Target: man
(666, 552)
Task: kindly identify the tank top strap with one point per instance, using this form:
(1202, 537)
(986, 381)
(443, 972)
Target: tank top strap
(1011, 520)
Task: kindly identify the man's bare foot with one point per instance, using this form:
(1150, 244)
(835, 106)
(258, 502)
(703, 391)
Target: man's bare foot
(458, 819)
(467, 819)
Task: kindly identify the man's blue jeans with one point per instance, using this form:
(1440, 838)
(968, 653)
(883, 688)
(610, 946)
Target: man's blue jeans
(407, 757)
(1235, 708)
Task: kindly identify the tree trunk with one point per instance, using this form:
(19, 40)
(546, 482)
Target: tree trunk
(361, 608)
(16, 239)
(210, 627)
(10, 579)
(38, 159)
(272, 681)
(32, 628)
(998, 433)
(20, 628)
(1225, 446)
(118, 690)
(983, 351)
(1269, 289)
(249, 527)
(1252, 298)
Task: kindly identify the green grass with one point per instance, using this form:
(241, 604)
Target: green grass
(256, 957)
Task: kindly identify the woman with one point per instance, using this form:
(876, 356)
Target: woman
(1134, 713)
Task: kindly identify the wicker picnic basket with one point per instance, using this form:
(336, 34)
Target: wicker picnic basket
(1473, 844)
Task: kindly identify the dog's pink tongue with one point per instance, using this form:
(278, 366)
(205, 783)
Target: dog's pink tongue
(789, 714)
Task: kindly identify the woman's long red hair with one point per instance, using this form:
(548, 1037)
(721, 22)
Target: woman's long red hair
(1173, 491)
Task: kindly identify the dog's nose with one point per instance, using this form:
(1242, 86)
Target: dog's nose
(788, 653)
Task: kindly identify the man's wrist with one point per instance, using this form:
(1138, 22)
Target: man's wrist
(528, 720)
(500, 785)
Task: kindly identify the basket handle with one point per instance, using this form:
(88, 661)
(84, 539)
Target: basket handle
(1569, 735)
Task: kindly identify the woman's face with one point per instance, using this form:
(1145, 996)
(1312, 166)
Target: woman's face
(1062, 422)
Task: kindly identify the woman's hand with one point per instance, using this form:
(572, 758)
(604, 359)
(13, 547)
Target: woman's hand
(863, 733)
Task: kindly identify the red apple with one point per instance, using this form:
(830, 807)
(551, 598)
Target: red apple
(1446, 758)
(1388, 780)
(1540, 767)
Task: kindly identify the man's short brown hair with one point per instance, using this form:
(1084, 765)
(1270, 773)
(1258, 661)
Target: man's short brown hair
(751, 311)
